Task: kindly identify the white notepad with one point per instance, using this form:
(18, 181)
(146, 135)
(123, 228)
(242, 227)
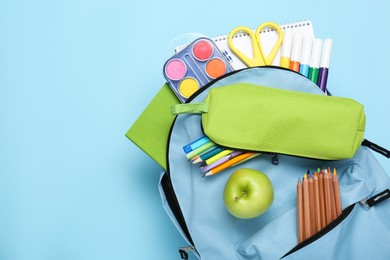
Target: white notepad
(268, 39)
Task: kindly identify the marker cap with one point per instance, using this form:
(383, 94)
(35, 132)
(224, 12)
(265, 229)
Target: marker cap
(285, 62)
(326, 53)
(296, 47)
(287, 43)
(306, 49)
(316, 53)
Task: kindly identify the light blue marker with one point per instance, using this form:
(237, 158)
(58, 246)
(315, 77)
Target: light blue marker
(306, 53)
(195, 144)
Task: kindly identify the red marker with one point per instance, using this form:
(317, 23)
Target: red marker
(296, 52)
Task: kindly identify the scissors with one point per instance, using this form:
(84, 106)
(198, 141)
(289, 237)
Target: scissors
(259, 59)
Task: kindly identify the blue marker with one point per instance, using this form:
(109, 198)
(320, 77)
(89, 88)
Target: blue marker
(196, 144)
(306, 53)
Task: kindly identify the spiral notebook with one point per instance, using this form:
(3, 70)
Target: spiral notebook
(268, 38)
(151, 130)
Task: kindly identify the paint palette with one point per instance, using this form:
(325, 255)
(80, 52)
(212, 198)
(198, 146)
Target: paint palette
(192, 68)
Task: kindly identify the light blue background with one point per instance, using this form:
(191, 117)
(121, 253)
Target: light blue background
(75, 75)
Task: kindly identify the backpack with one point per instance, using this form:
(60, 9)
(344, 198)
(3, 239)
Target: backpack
(195, 204)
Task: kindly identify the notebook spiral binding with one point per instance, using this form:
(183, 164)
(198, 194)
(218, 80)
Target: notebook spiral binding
(223, 37)
(220, 39)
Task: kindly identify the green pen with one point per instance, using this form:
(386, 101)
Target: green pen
(315, 60)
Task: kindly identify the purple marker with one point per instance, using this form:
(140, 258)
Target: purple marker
(324, 65)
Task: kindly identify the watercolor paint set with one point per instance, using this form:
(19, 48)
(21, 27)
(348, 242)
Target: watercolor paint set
(193, 67)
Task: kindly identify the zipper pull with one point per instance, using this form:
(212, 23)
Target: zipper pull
(368, 203)
(274, 158)
(376, 148)
(183, 251)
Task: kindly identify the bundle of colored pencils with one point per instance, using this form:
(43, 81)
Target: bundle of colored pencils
(318, 201)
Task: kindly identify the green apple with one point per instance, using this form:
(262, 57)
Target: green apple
(248, 193)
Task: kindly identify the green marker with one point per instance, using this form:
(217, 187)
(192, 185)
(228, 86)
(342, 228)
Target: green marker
(200, 149)
(315, 60)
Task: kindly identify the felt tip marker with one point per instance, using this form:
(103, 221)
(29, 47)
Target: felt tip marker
(195, 144)
(306, 53)
(324, 65)
(286, 49)
(200, 150)
(207, 154)
(315, 60)
(296, 52)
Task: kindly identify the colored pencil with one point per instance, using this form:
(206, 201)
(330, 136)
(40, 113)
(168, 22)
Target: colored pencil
(246, 159)
(322, 198)
(328, 197)
(333, 201)
(206, 168)
(300, 212)
(317, 209)
(207, 154)
(218, 156)
(306, 207)
(312, 205)
(229, 163)
(337, 193)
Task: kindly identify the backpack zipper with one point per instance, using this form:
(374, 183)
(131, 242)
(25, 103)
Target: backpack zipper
(323, 231)
(369, 202)
(183, 251)
(366, 203)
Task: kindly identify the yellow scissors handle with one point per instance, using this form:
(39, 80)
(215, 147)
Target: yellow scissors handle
(257, 59)
(271, 56)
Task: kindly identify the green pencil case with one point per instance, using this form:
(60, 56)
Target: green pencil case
(264, 119)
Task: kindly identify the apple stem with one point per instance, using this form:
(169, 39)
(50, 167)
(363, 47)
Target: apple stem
(239, 197)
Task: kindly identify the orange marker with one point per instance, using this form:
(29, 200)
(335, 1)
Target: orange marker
(296, 52)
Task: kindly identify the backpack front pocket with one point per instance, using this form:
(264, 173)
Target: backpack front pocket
(279, 232)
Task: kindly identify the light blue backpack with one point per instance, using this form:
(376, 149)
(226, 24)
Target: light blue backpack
(195, 204)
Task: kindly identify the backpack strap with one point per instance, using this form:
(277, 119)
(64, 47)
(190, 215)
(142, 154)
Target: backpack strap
(376, 148)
